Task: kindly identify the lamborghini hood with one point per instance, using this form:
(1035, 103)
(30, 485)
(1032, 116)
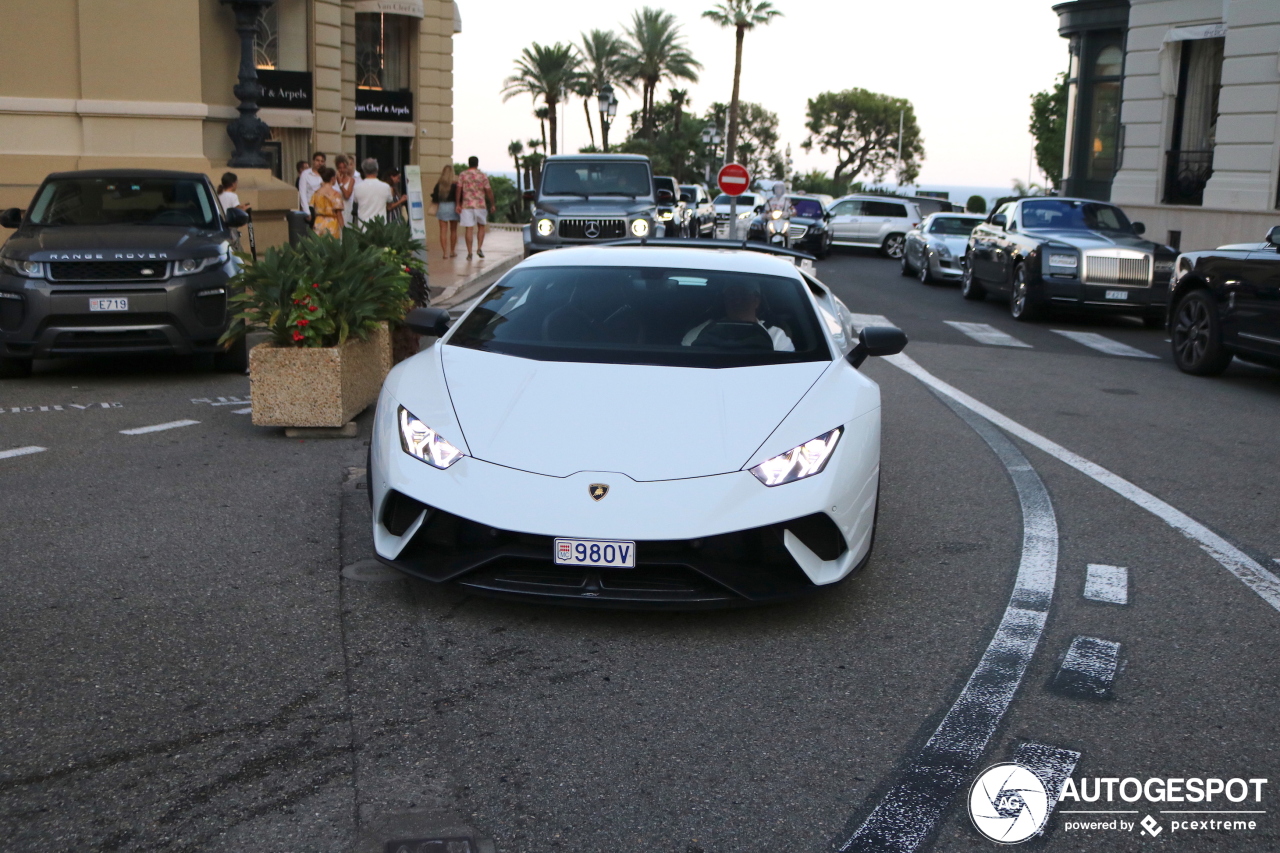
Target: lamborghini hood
(647, 422)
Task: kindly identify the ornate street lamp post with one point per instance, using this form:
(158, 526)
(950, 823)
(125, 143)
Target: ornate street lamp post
(608, 106)
(248, 132)
(712, 139)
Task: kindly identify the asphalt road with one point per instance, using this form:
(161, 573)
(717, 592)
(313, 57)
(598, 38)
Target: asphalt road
(189, 666)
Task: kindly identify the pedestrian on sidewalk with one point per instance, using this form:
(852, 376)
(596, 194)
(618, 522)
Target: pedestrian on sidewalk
(444, 195)
(227, 192)
(328, 205)
(476, 201)
(399, 207)
(309, 181)
(347, 177)
(371, 196)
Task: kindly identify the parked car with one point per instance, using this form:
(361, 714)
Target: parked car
(807, 230)
(673, 212)
(1225, 303)
(873, 221)
(747, 204)
(117, 261)
(935, 250)
(658, 426)
(1046, 253)
(591, 198)
(702, 218)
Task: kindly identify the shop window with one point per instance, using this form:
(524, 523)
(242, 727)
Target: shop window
(1104, 115)
(383, 51)
(281, 40)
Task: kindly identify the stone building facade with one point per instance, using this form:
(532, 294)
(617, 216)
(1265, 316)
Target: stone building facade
(148, 83)
(1174, 114)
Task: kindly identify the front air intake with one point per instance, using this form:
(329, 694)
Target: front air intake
(399, 512)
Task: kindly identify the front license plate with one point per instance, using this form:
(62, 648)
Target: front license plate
(603, 553)
(1117, 294)
(111, 304)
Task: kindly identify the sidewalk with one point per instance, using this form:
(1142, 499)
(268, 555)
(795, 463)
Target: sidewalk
(457, 279)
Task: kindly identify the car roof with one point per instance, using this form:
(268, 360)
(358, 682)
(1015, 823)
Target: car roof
(129, 173)
(632, 158)
(874, 197)
(960, 213)
(728, 259)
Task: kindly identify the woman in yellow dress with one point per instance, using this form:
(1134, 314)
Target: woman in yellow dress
(328, 205)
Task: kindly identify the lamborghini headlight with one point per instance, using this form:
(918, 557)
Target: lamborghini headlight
(423, 443)
(798, 462)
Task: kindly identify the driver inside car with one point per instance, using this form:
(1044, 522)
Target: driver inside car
(740, 326)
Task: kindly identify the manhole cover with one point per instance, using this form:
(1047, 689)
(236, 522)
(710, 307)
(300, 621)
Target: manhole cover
(371, 571)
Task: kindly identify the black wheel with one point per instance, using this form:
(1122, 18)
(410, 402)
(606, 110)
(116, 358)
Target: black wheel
(924, 273)
(15, 368)
(970, 288)
(1154, 321)
(1022, 305)
(234, 359)
(1196, 336)
(893, 246)
(824, 248)
(904, 266)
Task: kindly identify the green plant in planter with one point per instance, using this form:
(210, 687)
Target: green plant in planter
(395, 238)
(318, 293)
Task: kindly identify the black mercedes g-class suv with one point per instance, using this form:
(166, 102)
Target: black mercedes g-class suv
(592, 198)
(117, 261)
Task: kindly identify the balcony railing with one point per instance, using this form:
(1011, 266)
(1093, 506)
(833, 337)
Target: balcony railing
(1185, 176)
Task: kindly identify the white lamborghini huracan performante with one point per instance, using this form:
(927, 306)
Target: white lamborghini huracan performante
(634, 426)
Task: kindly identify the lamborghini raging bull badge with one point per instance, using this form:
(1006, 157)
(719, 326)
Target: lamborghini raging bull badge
(598, 491)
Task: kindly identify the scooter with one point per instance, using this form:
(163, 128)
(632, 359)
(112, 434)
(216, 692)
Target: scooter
(777, 224)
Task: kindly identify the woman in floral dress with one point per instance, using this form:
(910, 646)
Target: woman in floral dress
(328, 205)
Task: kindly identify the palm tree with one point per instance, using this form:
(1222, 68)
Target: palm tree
(742, 15)
(515, 149)
(542, 114)
(656, 52)
(544, 72)
(604, 59)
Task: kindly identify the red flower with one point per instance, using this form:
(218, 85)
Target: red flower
(311, 307)
(315, 285)
(303, 322)
(297, 336)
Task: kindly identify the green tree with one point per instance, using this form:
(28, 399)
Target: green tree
(674, 145)
(656, 52)
(1049, 127)
(861, 127)
(976, 204)
(757, 137)
(544, 72)
(818, 181)
(741, 15)
(604, 60)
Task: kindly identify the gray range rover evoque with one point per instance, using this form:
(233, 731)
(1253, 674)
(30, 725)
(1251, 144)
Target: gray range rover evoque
(117, 261)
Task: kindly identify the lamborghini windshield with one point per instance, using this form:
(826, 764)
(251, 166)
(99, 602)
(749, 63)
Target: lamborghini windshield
(646, 315)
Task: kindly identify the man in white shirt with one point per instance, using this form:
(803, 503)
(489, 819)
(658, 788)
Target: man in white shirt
(309, 181)
(372, 195)
(741, 302)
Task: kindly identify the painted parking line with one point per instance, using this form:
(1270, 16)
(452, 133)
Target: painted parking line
(985, 334)
(21, 451)
(1248, 570)
(246, 410)
(908, 813)
(1088, 670)
(1102, 343)
(158, 427)
(1109, 584)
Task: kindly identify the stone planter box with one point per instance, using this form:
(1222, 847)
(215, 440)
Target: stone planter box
(317, 387)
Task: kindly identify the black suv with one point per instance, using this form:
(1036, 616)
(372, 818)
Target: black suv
(592, 198)
(117, 261)
(1225, 303)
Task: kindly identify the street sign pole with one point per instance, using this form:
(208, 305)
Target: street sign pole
(733, 180)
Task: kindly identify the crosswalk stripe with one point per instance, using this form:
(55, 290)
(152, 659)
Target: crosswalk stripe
(158, 427)
(21, 451)
(1103, 344)
(985, 334)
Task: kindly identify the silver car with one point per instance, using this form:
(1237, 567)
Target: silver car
(935, 250)
(874, 221)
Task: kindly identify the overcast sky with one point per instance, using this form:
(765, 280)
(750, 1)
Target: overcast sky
(969, 68)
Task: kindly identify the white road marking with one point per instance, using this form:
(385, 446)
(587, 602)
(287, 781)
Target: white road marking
(907, 814)
(243, 411)
(1103, 344)
(1107, 583)
(1248, 570)
(861, 321)
(985, 334)
(1089, 668)
(21, 451)
(157, 427)
(1054, 765)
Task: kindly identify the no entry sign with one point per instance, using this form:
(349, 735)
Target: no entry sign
(733, 179)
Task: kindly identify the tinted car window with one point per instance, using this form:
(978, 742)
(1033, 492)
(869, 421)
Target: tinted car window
(847, 208)
(884, 208)
(641, 315)
(694, 195)
(1074, 216)
(124, 201)
(810, 207)
(587, 178)
(954, 225)
(744, 200)
(665, 184)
